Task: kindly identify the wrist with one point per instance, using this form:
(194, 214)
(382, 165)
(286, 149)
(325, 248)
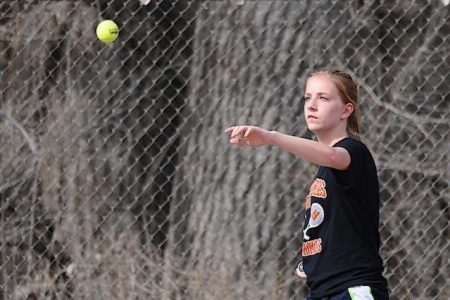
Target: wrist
(273, 135)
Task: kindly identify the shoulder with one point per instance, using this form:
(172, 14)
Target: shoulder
(354, 147)
(349, 142)
(361, 162)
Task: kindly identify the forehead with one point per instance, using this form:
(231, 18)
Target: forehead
(320, 84)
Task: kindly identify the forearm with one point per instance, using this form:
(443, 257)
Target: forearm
(309, 150)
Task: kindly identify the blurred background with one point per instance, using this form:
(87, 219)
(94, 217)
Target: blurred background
(117, 182)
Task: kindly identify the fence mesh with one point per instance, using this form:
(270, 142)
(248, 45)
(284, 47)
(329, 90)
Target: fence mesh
(116, 178)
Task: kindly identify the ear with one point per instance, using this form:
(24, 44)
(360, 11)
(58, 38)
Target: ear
(348, 110)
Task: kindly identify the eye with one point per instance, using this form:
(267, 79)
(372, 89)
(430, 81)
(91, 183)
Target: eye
(323, 98)
(306, 98)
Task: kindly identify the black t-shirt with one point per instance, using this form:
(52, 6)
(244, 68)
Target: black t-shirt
(341, 238)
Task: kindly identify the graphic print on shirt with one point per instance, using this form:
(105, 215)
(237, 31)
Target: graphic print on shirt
(317, 215)
(315, 219)
(317, 189)
(312, 247)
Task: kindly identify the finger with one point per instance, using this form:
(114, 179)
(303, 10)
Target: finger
(232, 129)
(243, 130)
(247, 132)
(239, 140)
(235, 141)
(229, 129)
(236, 131)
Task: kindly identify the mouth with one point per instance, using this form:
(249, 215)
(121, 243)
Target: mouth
(311, 117)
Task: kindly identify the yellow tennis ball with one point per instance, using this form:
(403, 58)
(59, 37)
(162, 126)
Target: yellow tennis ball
(107, 31)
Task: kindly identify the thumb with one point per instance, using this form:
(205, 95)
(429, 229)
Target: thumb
(249, 131)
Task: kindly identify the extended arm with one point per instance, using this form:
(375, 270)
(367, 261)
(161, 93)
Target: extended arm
(315, 152)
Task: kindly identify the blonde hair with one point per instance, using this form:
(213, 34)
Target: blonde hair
(348, 91)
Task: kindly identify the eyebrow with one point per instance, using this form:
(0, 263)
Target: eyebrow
(319, 93)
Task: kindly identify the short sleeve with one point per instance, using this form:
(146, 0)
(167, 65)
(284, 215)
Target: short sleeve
(357, 150)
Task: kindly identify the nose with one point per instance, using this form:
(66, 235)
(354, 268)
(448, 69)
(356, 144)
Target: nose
(311, 105)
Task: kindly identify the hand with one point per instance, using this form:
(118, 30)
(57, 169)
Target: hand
(299, 271)
(249, 136)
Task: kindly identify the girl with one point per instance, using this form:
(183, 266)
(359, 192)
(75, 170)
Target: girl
(341, 242)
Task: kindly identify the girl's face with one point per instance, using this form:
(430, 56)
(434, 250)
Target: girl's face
(324, 108)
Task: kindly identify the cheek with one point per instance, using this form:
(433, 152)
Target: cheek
(333, 112)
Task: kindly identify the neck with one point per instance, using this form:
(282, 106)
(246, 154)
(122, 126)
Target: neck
(331, 137)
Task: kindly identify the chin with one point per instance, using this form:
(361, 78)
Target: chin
(316, 130)
(313, 128)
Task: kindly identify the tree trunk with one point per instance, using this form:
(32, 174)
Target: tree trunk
(237, 231)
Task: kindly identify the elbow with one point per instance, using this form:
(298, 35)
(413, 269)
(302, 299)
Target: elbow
(336, 161)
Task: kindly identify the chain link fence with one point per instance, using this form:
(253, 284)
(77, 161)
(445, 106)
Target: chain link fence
(117, 181)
